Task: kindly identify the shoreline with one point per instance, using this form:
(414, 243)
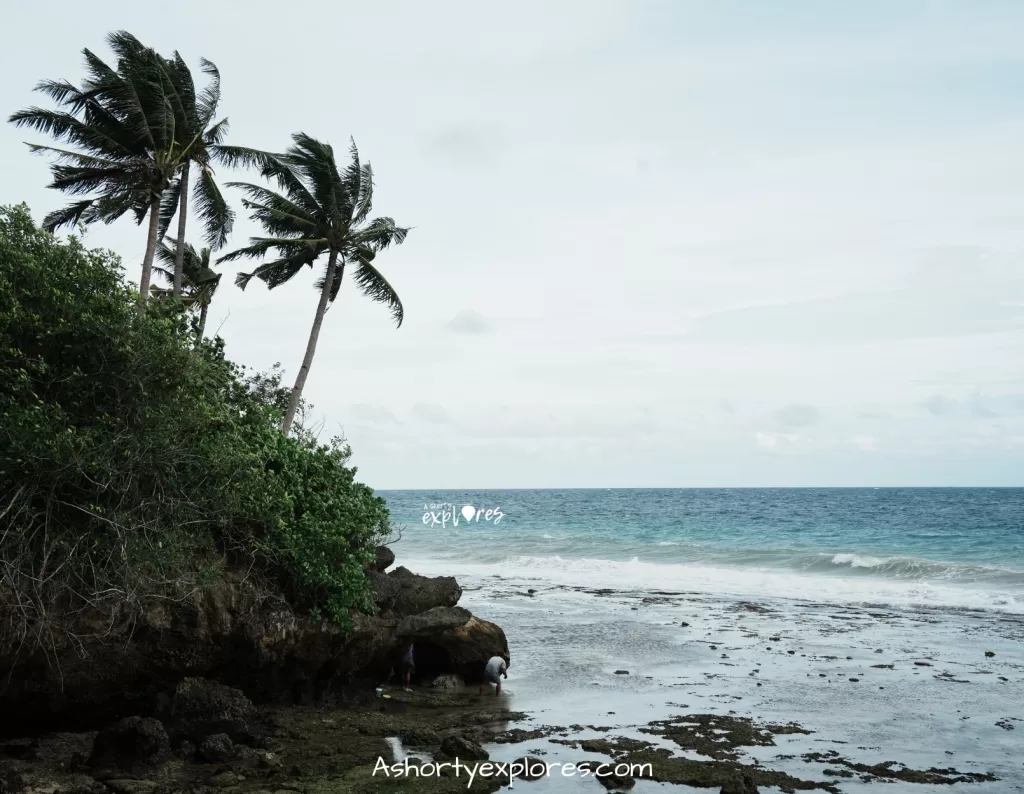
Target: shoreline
(713, 691)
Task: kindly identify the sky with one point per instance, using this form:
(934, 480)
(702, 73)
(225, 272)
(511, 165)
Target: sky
(655, 243)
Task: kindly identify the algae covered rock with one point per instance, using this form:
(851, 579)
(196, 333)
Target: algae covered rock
(201, 708)
(216, 748)
(131, 743)
(463, 749)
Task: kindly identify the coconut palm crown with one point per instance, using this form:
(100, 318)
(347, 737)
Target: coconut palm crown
(319, 214)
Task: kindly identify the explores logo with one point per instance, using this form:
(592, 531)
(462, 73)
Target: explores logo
(443, 513)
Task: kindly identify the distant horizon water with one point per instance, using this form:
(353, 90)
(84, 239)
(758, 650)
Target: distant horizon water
(946, 547)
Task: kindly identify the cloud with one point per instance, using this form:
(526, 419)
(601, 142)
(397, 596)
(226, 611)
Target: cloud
(980, 409)
(865, 443)
(937, 405)
(464, 144)
(797, 415)
(727, 406)
(368, 412)
(468, 321)
(771, 440)
(976, 405)
(430, 412)
(943, 308)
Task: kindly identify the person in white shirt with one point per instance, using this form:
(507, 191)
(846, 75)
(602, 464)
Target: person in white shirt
(495, 669)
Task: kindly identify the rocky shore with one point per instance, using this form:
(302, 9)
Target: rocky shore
(777, 697)
(233, 690)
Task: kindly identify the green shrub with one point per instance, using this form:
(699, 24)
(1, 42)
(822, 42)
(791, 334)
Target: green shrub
(134, 465)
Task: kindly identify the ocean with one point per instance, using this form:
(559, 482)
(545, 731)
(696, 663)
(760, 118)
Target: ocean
(955, 547)
(889, 622)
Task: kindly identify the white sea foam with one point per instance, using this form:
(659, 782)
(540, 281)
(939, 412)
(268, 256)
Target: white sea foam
(745, 582)
(859, 560)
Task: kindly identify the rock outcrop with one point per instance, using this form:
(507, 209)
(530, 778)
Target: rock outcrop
(232, 633)
(416, 594)
(202, 708)
(131, 744)
(385, 559)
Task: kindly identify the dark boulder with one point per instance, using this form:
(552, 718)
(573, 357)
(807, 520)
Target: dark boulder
(131, 743)
(463, 749)
(741, 784)
(614, 782)
(185, 750)
(216, 748)
(385, 590)
(448, 682)
(468, 647)
(61, 751)
(529, 767)
(421, 593)
(385, 559)
(432, 622)
(201, 708)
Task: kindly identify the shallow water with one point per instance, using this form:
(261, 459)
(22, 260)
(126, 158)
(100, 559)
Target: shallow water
(567, 642)
(845, 579)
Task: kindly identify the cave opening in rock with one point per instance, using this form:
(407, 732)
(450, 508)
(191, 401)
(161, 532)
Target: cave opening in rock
(431, 661)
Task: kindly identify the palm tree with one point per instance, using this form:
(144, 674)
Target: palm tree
(318, 212)
(199, 138)
(198, 280)
(121, 129)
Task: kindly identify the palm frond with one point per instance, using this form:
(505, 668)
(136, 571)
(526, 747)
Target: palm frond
(69, 216)
(278, 214)
(380, 233)
(213, 210)
(65, 127)
(364, 198)
(66, 156)
(209, 97)
(315, 162)
(277, 272)
(169, 205)
(376, 288)
(246, 157)
(215, 134)
(112, 206)
(261, 246)
(77, 180)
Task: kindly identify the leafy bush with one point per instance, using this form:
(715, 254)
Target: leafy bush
(134, 465)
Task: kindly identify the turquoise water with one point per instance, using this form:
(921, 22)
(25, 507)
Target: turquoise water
(959, 547)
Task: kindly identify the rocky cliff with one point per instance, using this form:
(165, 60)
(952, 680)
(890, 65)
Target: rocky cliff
(232, 633)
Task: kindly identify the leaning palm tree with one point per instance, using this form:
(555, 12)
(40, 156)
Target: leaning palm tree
(199, 281)
(120, 127)
(318, 212)
(199, 139)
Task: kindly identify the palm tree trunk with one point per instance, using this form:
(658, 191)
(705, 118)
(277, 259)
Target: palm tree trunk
(202, 322)
(147, 261)
(314, 334)
(179, 253)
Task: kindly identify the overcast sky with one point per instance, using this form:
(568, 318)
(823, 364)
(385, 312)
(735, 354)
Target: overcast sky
(655, 243)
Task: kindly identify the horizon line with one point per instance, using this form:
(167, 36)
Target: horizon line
(726, 488)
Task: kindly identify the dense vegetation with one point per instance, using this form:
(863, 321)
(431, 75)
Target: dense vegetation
(136, 463)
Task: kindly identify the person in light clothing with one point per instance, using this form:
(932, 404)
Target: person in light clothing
(408, 666)
(495, 669)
